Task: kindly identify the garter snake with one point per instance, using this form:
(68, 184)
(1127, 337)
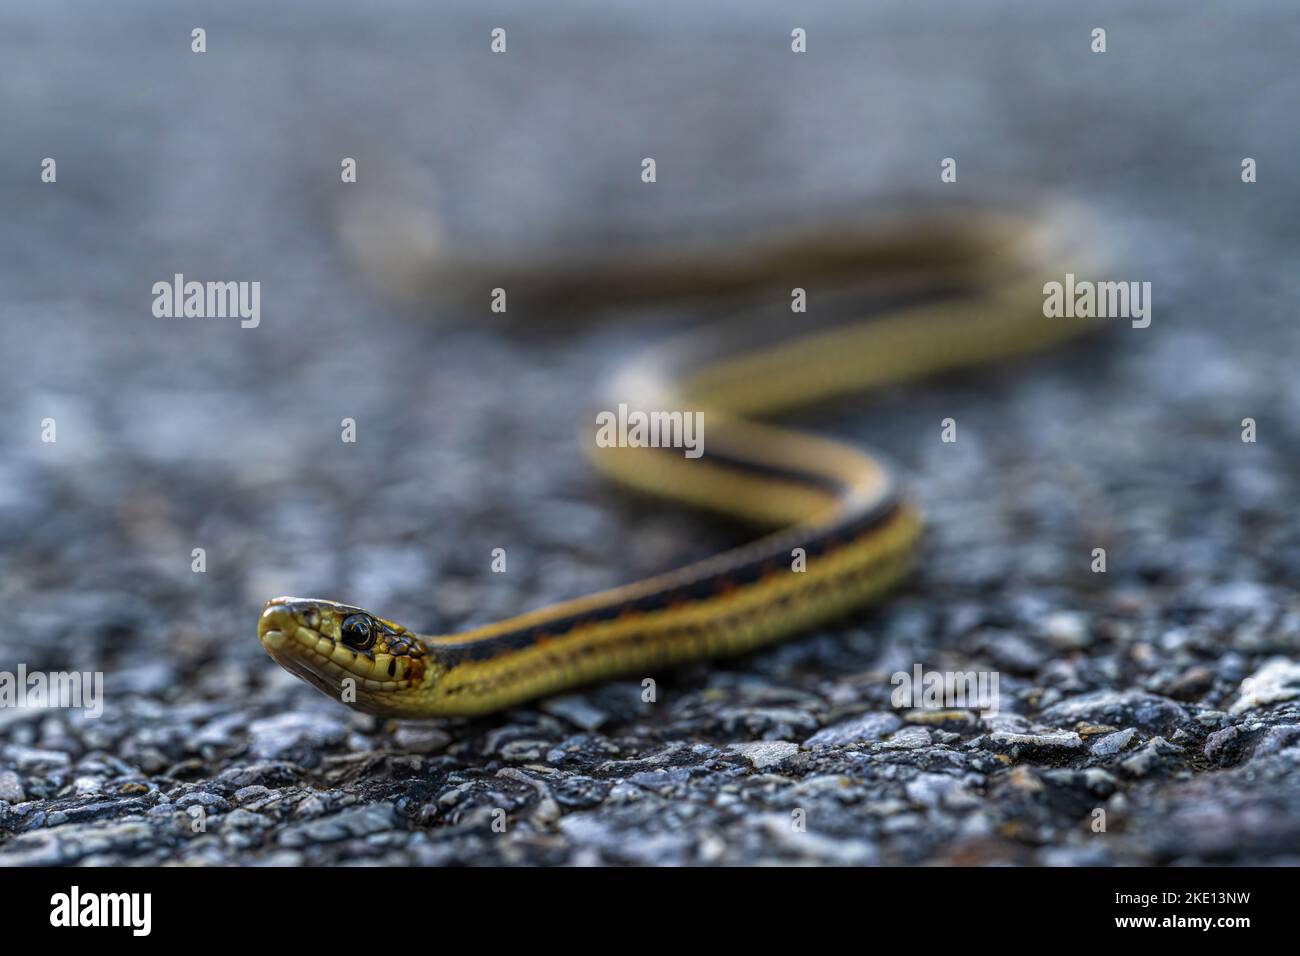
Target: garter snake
(919, 292)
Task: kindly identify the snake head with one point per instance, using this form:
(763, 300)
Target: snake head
(345, 652)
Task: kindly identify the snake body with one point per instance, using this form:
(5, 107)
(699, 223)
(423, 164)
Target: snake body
(903, 296)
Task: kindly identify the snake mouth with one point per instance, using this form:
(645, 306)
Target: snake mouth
(294, 648)
(276, 626)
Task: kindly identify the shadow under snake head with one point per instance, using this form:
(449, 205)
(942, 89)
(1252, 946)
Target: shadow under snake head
(344, 651)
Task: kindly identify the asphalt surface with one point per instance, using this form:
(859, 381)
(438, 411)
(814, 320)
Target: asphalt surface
(1148, 714)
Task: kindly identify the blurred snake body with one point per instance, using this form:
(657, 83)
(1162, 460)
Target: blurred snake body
(891, 298)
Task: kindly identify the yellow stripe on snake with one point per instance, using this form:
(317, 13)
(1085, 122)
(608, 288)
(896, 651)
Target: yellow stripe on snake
(916, 293)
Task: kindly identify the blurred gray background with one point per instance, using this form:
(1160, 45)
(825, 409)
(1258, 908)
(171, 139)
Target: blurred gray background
(177, 434)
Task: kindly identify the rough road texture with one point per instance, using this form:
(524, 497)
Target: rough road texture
(1165, 692)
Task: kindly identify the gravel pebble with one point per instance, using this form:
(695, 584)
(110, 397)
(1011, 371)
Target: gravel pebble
(11, 787)
(1111, 744)
(1148, 712)
(1276, 681)
(766, 753)
(1065, 740)
(861, 729)
(296, 737)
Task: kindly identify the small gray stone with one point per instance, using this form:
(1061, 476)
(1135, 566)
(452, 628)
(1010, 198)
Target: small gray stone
(309, 808)
(1218, 740)
(1155, 754)
(1013, 652)
(1066, 629)
(74, 842)
(421, 739)
(772, 723)
(220, 732)
(1099, 781)
(660, 780)
(32, 760)
(242, 819)
(266, 774)
(810, 845)
(524, 751)
(1133, 708)
(253, 794)
(936, 789)
(1236, 596)
(909, 738)
(201, 798)
(354, 822)
(861, 729)
(1011, 723)
(1277, 739)
(766, 753)
(11, 787)
(294, 736)
(1062, 740)
(1191, 684)
(1111, 744)
(1276, 681)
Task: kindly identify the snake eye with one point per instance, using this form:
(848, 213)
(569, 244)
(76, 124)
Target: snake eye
(358, 632)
